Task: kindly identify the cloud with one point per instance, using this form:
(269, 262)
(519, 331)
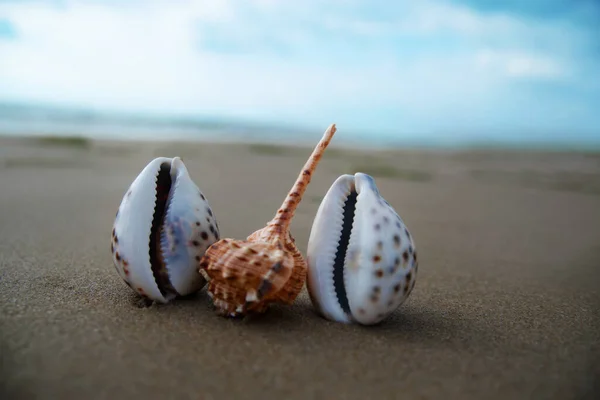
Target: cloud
(523, 65)
(430, 66)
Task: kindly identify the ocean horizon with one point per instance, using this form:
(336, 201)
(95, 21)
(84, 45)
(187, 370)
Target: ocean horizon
(35, 120)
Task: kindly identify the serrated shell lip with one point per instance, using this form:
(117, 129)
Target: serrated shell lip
(136, 224)
(187, 280)
(177, 171)
(322, 248)
(159, 267)
(369, 283)
(132, 225)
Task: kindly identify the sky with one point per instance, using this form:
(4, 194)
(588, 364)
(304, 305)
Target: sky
(431, 68)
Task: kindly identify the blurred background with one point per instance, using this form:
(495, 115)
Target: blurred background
(426, 73)
(478, 119)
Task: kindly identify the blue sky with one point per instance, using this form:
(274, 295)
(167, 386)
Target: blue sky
(431, 68)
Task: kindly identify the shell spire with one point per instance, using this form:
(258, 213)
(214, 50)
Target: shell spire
(247, 275)
(281, 222)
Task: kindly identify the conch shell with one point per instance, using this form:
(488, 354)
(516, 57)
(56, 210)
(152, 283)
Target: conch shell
(362, 260)
(162, 228)
(245, 276)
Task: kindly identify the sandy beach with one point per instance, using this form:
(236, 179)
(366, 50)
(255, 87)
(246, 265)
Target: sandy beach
(505, 304)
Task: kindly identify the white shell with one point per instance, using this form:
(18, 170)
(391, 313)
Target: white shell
(379, 265)
(187, 229)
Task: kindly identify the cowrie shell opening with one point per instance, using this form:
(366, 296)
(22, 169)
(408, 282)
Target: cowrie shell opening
(163, 226)
(362, 260)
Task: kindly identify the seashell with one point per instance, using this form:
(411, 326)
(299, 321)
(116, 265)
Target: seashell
(163, 226)
(362, 260)
(246, 276)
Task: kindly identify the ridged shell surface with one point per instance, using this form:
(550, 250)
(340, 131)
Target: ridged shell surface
(246, 276)
(362, 260)
(163, 226)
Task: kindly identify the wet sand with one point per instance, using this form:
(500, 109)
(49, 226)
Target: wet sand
(505, 304)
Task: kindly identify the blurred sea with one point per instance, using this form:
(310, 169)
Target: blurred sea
(39, 120)
(18, 119)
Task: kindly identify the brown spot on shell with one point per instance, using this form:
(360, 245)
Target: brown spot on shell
(379, 273)
(277, 267)
(396, 240)
(118, 256)
(377, 227)
(376, 258)
(195, 243)
(256, 284)
(204, 235)
(197, 223)
(397, 288)
(264, 287)
(405, 256)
